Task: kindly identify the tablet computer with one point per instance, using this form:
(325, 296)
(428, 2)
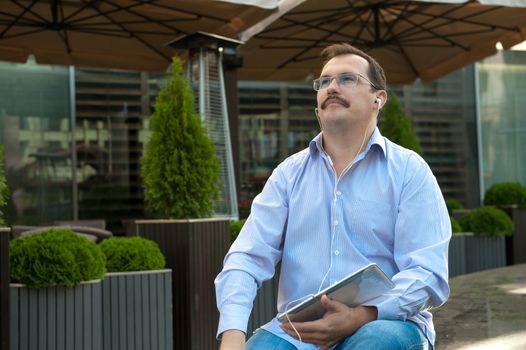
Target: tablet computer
(356, 289)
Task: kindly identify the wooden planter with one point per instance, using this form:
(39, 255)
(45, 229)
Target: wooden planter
(56, 318)
(194, 250)
(137, 310)
(483, 253)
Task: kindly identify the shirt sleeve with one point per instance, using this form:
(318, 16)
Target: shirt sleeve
(252, 258)
(421, 239)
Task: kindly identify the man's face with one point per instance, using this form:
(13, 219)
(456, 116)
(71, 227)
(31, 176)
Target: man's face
(340, 105)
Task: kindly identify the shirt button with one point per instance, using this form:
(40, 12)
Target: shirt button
(336, 252)
(339, 193)
(335, 222)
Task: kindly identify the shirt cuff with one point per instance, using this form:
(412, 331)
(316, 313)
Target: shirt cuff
(388, 308)
(233, 316)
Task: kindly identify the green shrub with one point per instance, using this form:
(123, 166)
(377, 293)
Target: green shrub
(453, 204)
(131, 254)
(507, 193)
(179, 167)
(235, 228)
(4, 191)
(397, 127)
(455, 226)
(55, 256)
(487, 221)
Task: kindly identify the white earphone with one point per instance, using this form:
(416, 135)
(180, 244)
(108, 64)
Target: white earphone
(379, 102)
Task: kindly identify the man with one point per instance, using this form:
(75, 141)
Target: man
(351, 198)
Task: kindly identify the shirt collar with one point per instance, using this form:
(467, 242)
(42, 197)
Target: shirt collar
(376, 139)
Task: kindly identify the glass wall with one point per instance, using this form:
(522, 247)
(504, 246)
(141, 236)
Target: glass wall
(502, 81)
(35, 130)
(443, 115)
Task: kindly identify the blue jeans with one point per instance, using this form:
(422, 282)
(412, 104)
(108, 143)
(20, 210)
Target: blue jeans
(377, 335)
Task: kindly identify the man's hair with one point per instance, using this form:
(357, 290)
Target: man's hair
(376, 73)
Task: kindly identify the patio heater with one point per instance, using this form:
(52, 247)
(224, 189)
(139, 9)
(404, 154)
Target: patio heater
(206, 56)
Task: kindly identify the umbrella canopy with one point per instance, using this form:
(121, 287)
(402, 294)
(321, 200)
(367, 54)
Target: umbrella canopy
(410, 39)
(126, 34)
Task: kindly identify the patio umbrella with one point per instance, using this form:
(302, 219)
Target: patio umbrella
(126, 34)
(410, 39)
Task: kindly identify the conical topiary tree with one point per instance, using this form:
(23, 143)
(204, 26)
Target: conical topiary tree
(397, 127)
(4, 191)
(179, 167)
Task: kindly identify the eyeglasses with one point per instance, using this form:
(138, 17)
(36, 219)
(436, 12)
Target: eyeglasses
(347, 80)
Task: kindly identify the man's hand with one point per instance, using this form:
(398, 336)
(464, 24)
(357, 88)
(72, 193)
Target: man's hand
(233, 339)
(339, 322)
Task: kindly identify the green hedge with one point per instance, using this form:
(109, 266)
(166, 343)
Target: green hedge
(455, 226)
(507, 193)
(132, 254)
(55, 256)
(487, 221)
(453, 204)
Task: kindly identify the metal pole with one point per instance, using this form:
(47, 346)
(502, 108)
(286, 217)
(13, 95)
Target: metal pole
(73, 116)
(202, 90)
(234, 213)
(479, 133)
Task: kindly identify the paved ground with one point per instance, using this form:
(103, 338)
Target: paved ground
(486, 310)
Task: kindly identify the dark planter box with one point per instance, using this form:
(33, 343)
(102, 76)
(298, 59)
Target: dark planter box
(137, 310)
(194, 250)
(4, 288)
(56, 318)
(483, 253)
(457, 254)
(516, 243)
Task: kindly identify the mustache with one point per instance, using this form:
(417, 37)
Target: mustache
(342, 100)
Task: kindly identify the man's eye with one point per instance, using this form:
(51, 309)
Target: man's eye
(348, 79)
(324, 82)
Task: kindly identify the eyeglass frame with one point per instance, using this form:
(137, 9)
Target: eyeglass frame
(337, 77)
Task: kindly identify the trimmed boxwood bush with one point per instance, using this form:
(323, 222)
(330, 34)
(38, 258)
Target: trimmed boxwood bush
(397, 127)
(55, 256)
(131, 254)
(235, 228)
(453, 204)
(487, 221)
(455, 226)
(507, 193)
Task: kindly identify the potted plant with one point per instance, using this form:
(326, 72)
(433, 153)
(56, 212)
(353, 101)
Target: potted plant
(181, 183)
(136, 295)
(397, 127)
(55, 294)
(511, 198)
(485, 249)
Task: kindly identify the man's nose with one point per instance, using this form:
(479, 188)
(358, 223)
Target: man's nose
(333, 86)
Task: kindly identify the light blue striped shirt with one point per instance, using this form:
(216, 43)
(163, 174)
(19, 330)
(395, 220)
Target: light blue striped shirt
(385, 208)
